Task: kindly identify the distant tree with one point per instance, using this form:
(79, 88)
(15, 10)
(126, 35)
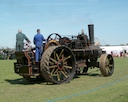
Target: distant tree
(122, 44)
(107, 45)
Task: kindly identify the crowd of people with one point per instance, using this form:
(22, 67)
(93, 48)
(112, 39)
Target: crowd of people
(119, 53)
(4, 54)
(37, 40)
(116, 51)
(7, 54)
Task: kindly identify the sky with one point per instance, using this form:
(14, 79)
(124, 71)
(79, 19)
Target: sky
(65, 17)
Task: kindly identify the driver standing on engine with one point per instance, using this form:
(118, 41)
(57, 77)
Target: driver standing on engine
(38, 41)
(19, 40)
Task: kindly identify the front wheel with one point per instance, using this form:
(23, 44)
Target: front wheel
(106, 64)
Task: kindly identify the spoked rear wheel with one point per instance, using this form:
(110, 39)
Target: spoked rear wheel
(58, 64)
(106, 64)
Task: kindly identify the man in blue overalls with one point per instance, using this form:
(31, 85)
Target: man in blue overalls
(38, 41)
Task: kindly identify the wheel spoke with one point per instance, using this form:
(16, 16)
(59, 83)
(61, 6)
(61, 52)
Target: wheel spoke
(67, 58)
(63, 57)
(106, 65)
(68, 67)
(53, 60)
(55, 37)
(57, 57)
(64, 74)
(58, 77)
(54, 66)
(61, 53)
(110, 59)
(110, 65)
(108, 70)
(54, 55)
(55, 71)
(65, 63)
(51, 63)
(52, 71)
(64, 71)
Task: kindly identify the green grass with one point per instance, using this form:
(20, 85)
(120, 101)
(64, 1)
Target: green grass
(84, 88)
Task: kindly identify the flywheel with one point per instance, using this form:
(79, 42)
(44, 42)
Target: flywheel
(58, 64)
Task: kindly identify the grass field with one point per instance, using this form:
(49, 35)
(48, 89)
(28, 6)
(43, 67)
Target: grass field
(85, 88)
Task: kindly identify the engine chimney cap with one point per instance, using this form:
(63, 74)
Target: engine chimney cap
(90, 24)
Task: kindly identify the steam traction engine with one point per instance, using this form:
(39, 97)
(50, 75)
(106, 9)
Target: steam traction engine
(63, 57)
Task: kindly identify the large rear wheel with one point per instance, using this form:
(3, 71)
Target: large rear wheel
(58, 64)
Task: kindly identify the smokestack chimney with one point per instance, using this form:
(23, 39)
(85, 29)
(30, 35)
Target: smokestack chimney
(91, 33)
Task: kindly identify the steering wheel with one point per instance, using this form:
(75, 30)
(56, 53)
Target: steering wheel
(52, 40)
